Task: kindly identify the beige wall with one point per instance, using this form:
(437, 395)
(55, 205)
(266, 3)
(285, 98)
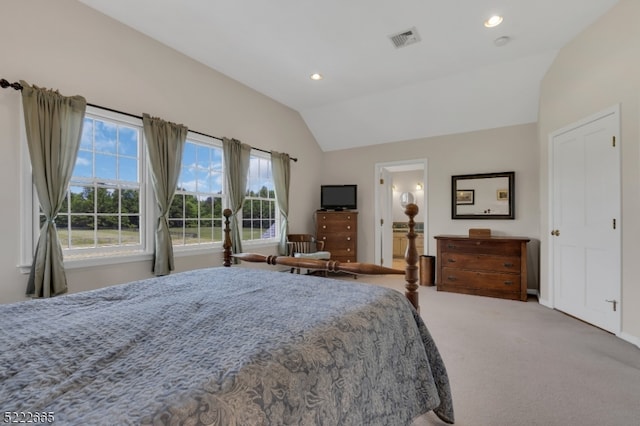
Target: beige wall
(70, 47)
(598, 69)
(497, 150)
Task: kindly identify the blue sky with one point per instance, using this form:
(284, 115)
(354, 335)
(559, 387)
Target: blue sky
(116, 151)
(202, 169)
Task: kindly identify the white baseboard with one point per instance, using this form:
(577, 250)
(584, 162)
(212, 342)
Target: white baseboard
(545, 302)
(634, 340)
(629, 338)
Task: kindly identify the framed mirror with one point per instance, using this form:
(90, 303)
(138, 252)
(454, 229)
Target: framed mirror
(483, 196)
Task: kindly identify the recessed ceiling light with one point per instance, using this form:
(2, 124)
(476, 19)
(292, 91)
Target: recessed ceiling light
(494, 21)
(316, 76)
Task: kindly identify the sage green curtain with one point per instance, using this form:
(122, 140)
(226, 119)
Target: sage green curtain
(165, 143)
(281, 170)
(236, 163)
(54, 127)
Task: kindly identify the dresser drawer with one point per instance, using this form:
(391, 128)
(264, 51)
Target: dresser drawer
(345, 249)
(473, 245)
(458, 278)
(481, 262)
(341, 228)
(336, 217)
(345, 259)
(338, 239)
(337, 226)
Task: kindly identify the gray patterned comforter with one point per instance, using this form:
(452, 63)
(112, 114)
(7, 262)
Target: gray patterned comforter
(223, 346)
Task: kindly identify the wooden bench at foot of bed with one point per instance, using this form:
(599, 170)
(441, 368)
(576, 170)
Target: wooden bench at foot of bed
(411, 257)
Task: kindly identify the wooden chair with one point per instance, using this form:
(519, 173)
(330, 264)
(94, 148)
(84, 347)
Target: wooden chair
(306, 246)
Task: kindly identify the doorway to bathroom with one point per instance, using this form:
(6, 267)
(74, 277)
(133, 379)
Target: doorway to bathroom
(399, 182)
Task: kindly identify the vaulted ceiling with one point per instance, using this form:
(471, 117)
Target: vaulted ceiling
(460, 76)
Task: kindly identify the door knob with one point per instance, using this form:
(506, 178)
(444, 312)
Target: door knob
(555, 232)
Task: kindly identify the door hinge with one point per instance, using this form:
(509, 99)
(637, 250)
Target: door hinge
(381, 181)
(381, 222)
(614, 141)
(614, 224)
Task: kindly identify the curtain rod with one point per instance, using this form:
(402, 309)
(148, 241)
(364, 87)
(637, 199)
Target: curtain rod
(17, 86)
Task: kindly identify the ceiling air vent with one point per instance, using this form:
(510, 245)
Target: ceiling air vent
(405, 38)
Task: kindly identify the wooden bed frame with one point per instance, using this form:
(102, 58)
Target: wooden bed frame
(411, 258)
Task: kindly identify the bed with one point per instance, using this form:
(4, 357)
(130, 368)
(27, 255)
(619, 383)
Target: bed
(222, 346)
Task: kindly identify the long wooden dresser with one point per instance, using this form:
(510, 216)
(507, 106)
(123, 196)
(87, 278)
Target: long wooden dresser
(484, 266)
(339, 231)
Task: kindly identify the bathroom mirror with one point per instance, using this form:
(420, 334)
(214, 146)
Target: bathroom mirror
(406, 198)
(483, 196)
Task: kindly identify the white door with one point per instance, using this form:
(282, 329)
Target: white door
(585, 225)
(385, 222)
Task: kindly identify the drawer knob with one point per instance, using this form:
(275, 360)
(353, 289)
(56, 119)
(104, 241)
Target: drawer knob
(348, 249)
(324, 238)
(508, 283)
(508, 264)
(451, 246)
(451, 278)
(348, 238)
(348, 226)
(451, 260)
(324, 226)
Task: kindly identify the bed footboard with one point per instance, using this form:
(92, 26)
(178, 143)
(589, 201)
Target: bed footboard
(411, 257)
(317, 264)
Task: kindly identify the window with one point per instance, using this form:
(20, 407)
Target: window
(195, 217)
(109, 206)
(103, 209)
(259, 217)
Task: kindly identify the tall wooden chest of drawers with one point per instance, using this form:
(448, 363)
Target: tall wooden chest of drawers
(484, 266)
(339, 231)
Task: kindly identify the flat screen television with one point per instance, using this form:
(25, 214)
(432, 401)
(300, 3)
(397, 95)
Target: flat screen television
(339, 197)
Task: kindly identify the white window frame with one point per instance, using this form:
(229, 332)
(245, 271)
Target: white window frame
(277, 218)
(182, 250)
(29, 206)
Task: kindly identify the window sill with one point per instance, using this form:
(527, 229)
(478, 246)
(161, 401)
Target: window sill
(257, 244)
(80, 263)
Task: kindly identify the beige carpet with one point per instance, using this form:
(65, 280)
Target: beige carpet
(514, 363)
